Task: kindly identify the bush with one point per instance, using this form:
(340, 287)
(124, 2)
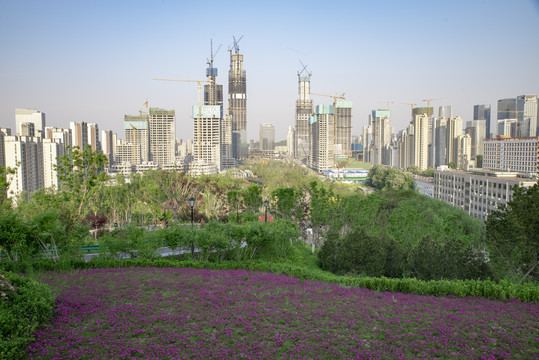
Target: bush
(21, 313)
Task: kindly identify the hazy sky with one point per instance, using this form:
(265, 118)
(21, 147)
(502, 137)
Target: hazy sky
(94, 60)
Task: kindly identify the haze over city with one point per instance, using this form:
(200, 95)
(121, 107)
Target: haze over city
(95, 61)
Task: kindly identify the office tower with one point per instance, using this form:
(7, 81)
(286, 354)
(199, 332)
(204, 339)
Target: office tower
(506, 109)
(93, 138)
(53, 149)
(381, 134)
(79, 134)
(237, 102)
(267, 137)
(207, 137)
(291, 141)
(162, 136)
(438, 137)
(322, 138)
(137, 132)
(304, 109)
(37, 118)
(512, 154)
(419, 128)
(25, 155)
(3, 133)
(527, 108)
(343, 127)
(453, 131)
(482, 112)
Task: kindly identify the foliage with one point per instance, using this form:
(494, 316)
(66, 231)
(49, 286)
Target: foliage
(512, 232)
(22, 313)
(289, 203)
(82, 175)
(390, 178)
(5, 179)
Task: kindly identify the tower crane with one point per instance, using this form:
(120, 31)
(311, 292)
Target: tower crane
(212, 54)
(411, 108)
(428, 104)
(235, 46)
(335, 97)
(386, 102)
(304, 69)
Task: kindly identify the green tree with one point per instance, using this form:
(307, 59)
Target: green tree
(82, 175)
(289, 203)
(513, 232)
(5, 177)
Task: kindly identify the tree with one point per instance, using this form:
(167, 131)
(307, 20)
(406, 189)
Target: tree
(82, 175)
(513, 232)
(5, 179)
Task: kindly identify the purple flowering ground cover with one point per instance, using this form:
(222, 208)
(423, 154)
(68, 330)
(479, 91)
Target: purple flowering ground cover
(176, 313)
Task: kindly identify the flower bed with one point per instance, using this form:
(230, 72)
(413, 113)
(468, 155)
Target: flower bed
(169, 313)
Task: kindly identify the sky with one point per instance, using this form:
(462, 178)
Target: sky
(94, 61)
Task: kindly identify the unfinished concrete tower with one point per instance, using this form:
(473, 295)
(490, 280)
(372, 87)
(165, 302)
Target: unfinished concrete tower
(237, 101)
(304, 109)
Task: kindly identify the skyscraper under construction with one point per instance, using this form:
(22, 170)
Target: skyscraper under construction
(304, 109)
(237, 101)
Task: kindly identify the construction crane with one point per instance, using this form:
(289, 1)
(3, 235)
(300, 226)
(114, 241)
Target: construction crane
(212, 54)
(235, 46)
(411, 108)
(428, 104)
(304, 69)
(199, 82)
(385, 102)
(335, 97)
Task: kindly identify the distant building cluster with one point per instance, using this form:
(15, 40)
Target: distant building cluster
(477, 165)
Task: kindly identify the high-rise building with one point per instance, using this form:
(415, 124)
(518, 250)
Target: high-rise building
(438, 137)
(464, 148)
(137, 133)
(267, 137)
(25, 155)
(53, 149)
(343, 113)
(508, 127)
(207, 137)
(79, 134)
(482, 112)
(527, 112)
(3, 133)
(477, 130)
(419, 128)
(108, 144)
(322, 136)
(507, 109)
(291, 141)
(381, 134)
(304, 110)
(93, 137)
(162, 136)
(37, 118)
(237, 102)
(453, 131)
(60, 134)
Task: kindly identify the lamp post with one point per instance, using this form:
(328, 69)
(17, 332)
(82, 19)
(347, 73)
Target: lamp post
(266, 211)
(192, 205)
(237, 215)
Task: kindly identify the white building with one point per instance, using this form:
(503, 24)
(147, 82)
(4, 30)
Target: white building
(25, 155)
(162, 136)
(477, 192)
(207, 136)
(322, 138)
(519, 155)
(37, 118)
(52, 150)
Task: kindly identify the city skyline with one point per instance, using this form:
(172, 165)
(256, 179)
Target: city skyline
(94, 62)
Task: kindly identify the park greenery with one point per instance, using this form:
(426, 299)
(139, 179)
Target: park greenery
(392, 239)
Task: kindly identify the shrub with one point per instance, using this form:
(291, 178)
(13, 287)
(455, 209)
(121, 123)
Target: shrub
(29, 306)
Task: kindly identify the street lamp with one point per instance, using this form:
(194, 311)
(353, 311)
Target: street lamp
(192, 205)
(237, 206)
(266, 211)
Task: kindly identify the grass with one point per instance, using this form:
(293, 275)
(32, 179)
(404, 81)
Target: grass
(167, 313)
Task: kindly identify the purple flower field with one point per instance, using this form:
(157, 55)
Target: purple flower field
(175, 313)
